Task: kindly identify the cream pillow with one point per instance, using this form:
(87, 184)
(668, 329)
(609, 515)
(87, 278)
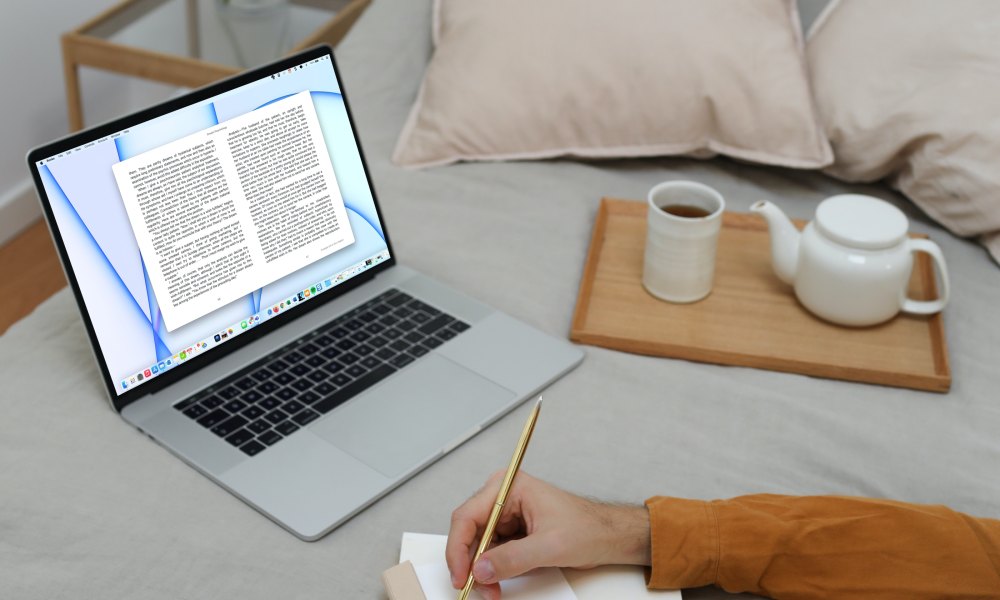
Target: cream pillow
(524, 79)
(911, 91)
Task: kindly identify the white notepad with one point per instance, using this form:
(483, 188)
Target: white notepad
(426, 553)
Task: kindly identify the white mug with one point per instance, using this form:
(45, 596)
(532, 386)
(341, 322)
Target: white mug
(679, 264)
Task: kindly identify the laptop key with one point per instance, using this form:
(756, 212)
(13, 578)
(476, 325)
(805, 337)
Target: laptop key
(353, 324)
(370, 362)
(234, 406)
(278, 366)
(401, 361)
(346, 344)
(406, 325)
(269, 404)
(435, 324)
(275, 416)
(213, 402)
(253, 412)
(349, 358)
(195, 411)
(269, 437)
(360, 335)
(251, 396)
(446, 334)
(312, 396)
(356, 370)
(316, 361)
(318, 375)
(186, 403)
(368, 316)
(363, 350)
(302, 385)
(420, 317)
(268, 387)
(333, 367)
(262, 374)
(392, 333)
(381, 309)
(305, 417)
(287, 428)
(458, 326)
(414, 337)
(353, 389)
(293, 357)
(374, 328)
(300, 370)
(377, 341)
(340, 379)
(252, 448)
(385, 353)
(259, 426)
(323, 341)
(292, 407)
(339, 333)
(213, 418)
(229, 425)
(418, 350)
(229, 392)
(284, 378)
(331, 352)
(398, 300)
(431, 343)
(239, 437)
(400, 345)
(245, 384)
(308, 349)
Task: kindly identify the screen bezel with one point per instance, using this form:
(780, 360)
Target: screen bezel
(120, 401)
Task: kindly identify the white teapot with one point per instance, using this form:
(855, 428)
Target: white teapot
(852, 264)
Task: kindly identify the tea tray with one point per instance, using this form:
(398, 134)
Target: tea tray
(751, 318)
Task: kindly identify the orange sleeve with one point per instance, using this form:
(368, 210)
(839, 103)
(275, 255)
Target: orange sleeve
(821, 547)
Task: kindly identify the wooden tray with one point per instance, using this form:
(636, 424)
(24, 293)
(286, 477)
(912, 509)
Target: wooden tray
(751, 318)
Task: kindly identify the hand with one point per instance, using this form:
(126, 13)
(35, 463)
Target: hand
(542, 526)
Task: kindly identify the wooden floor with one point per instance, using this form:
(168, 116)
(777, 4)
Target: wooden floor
(29, 273)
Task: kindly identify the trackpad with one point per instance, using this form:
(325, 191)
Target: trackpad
(413, 415)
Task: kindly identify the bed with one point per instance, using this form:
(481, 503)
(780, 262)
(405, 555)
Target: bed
(91, 508)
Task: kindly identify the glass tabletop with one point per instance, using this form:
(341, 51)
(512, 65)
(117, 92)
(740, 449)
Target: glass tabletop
(237, 33)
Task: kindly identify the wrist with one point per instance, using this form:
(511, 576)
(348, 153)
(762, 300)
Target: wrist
(629, 529)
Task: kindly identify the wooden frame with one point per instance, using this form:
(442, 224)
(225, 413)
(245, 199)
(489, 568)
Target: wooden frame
(81, 49)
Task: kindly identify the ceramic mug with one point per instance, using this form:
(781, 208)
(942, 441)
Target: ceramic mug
(682, 232)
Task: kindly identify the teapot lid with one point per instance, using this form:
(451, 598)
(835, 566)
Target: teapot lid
(861, 221)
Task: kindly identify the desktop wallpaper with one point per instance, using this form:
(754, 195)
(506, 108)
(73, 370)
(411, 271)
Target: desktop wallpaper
(105, 256)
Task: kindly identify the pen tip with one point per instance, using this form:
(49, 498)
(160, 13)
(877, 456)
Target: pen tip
(539, 403)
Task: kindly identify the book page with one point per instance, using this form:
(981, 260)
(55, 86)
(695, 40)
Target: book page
(229, 209)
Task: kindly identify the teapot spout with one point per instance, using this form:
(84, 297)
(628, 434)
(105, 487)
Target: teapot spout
(784, 240)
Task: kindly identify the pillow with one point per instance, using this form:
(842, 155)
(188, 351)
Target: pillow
(523, 79)
(911, 91)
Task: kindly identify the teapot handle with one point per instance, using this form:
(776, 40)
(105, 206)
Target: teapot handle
(928, 307)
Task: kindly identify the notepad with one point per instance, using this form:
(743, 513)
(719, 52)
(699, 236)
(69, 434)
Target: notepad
(426, 553)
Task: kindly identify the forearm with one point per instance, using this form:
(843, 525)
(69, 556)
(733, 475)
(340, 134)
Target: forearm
(823, 547)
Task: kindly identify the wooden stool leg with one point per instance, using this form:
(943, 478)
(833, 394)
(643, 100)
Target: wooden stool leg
(74, 104)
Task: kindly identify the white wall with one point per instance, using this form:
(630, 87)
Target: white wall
(32, 94)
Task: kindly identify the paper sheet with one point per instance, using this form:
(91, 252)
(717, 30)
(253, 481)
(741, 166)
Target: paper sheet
(426, 552)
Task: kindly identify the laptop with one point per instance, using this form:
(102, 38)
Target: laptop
(246, 307)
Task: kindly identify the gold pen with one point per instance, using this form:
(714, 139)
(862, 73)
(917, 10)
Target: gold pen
(508, 481)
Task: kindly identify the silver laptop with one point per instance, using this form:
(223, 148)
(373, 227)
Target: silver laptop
(246, 307)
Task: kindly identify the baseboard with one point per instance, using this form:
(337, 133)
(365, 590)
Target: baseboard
(18, 209)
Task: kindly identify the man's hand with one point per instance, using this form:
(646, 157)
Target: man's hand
(542, 526)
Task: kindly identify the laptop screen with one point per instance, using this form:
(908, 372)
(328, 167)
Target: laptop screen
(193, 228)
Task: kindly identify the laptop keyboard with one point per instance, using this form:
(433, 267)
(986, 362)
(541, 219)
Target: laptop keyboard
(271, 399)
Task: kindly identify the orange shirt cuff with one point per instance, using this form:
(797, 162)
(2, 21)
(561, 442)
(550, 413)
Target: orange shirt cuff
(684, 543)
